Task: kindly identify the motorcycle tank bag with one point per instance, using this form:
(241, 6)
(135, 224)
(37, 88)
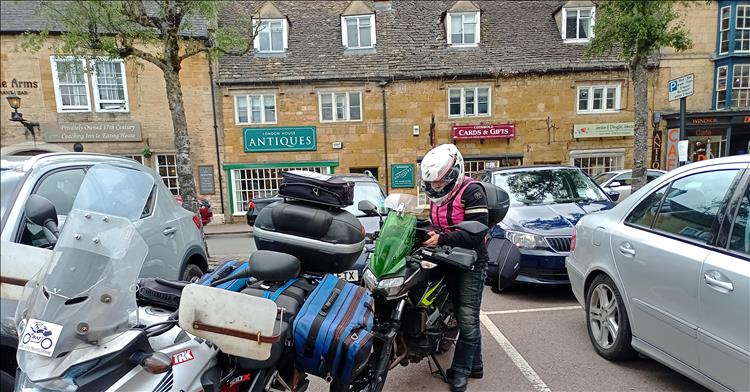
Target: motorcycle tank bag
(333, 331)
(289, 297)
(229, 268)
(324, 239)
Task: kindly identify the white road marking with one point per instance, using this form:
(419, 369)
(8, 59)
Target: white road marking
(493, 312)
(515, 356)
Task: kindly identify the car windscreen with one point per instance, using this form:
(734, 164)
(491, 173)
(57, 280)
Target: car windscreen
(548, 186)
(10, 180)
(604, 177)
(366, 191)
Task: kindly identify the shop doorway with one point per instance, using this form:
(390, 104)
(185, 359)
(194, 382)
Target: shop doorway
(740, 143)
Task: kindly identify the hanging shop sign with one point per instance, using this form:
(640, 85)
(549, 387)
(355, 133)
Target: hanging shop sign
(279, 139)
(484, 131)
(582, 131)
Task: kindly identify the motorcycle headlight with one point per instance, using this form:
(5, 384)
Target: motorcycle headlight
(371, 282)
(390, 283)
(526, 240)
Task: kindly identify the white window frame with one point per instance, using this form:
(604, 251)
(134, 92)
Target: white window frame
(284, 35)
(724, 33)
(718, 89)
(56, 83)
(136, 157)
(95, 83)
(741, 87)
(617, 153)
(345, 34)
(476, 102)
(737, 29)
(590, 103)
(260, 176)
(249, 98)
(347, 108)
(448, 26)
(167, 177)
(578, 10)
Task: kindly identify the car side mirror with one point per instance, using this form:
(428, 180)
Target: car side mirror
(614, 184)
(471, 227)
(613, 194)
(40, 211)
(368, 207)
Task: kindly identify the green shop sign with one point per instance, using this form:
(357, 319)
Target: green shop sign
(279, 139)
(402, 175)
(581, 131)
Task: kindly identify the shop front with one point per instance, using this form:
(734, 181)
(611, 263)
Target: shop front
(709, 135)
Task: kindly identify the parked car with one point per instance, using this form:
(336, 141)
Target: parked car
(621, 180)
(545, 204)
(666, 273)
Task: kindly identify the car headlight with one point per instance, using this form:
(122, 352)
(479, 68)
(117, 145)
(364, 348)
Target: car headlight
(526, 240)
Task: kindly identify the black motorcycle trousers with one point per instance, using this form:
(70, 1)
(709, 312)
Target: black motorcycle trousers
(465, 288)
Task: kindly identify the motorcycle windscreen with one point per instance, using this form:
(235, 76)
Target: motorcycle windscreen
(234, 322)
(85, 297)
(394, 243)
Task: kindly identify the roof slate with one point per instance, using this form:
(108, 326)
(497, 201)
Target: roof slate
(516, 37)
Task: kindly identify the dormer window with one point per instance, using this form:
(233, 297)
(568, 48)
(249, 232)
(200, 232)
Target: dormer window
(462, 28)
(578, 24)
(271, 36)
(358, 32)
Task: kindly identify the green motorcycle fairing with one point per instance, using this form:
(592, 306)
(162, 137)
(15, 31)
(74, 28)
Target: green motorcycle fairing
(394, 244)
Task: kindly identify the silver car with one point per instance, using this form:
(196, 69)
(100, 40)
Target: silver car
(666, 273)
(622, 181)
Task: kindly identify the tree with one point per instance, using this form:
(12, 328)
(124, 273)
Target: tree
(160, 32)
(637, 30)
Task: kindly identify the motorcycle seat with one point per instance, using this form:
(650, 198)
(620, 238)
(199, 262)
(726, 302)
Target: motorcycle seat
(273, 266)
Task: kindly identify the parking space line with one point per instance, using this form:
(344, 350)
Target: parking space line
(493, 312)
(515, 356)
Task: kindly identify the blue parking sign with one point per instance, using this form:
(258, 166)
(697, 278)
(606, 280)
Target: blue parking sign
(672, 86)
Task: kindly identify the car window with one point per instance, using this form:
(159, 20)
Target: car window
(644, 213)
(548, 186)
(739, 240)
(60, 188)
(625, 179)
(650, 176)
(10, 180)
(366, 191)
(692, 202)
(601, 178)
(148, 209)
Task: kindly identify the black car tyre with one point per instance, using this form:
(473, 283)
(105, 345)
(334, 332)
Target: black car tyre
(607, 320)
(191, 271)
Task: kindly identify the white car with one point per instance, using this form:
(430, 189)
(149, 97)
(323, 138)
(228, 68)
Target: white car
(666, 273)
(621, 181)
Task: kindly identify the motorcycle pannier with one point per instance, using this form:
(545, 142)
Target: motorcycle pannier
(316, 188)
(324, 239)
(333, 330)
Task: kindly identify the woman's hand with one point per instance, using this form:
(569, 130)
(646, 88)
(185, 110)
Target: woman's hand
(433, 240)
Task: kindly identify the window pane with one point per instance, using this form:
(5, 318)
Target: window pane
(255, 109)
(354, 106)
(457, 29)
(571, 22)
(454, 101)
(277, 36)
(643, 214)
(611, 98)
(740, 238)
(365, 38)
(597, 104)
(584, 24)
(269, 104)
(241, 109)
(469, 101)
(264, 37)
(483, 100)
(352, 33)
(326, 107)
(340, 106)
(470, 33)
(61, 189)
(470, 18)
(583, 99)
(692, 203)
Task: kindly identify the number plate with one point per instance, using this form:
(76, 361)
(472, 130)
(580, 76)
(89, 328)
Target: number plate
(349, 275)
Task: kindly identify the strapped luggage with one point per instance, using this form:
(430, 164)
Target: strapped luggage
(229, 268)
(316, 188)
(333, 330)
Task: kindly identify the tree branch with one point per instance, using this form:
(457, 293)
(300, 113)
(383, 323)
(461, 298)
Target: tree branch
(129, 50)
(193, 52)
(136, 11)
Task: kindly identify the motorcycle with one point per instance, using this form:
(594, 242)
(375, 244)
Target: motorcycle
(413, 311)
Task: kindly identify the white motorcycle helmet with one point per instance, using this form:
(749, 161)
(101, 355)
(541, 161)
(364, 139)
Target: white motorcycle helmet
(442, 172)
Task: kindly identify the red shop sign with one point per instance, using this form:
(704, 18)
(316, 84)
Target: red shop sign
(488, 131)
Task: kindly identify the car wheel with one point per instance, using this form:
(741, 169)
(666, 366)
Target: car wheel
(191, 271)
(607, 320)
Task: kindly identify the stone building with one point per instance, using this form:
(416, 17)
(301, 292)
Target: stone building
(122, 109)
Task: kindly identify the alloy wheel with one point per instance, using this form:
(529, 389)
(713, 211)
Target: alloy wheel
(604, 316)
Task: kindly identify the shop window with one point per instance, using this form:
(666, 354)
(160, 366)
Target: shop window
(70, 77)
(166, 165)
(469, 102)
(358, 32)
(721, 87)
(249, 184)
(598, 99)
(578, 24)
(340, 106)
(463, 28)
(272, 36)
(136, 157)
(742, 29)
(598, 161)
(741, 86)
(255, 109)
(724, 30)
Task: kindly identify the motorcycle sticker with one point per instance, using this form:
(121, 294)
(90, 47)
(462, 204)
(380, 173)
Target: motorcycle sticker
(40, 337)
(182, 357)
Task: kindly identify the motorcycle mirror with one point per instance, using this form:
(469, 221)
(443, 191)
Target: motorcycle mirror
(154, 363)
(471, 227)
(368, 207)
(40, 211)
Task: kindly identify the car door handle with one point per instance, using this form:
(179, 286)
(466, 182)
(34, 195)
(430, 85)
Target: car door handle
(712, 279)
(626, 249)
(169, 231)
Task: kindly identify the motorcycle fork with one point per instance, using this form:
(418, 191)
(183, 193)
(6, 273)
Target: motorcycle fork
(388, 338)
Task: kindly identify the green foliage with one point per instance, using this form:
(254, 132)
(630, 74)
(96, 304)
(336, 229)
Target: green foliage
(634, 29)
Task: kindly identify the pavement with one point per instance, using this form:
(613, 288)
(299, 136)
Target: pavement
(227, 228)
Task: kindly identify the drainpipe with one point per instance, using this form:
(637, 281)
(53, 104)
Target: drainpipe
(385, 137)
(216, 134)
